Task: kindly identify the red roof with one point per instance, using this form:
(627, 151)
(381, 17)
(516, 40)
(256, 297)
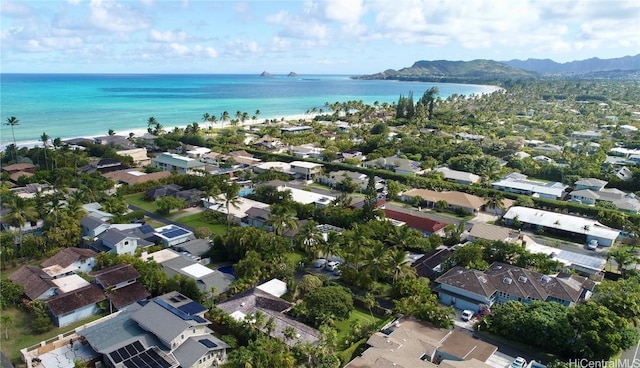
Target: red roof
(421, 223)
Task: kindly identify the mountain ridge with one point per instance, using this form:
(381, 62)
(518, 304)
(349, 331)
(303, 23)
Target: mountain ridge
(594, 64)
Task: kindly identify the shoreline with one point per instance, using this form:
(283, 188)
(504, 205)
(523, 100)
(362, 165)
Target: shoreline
(138, 132)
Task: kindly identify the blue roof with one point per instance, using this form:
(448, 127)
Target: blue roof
(146, 229)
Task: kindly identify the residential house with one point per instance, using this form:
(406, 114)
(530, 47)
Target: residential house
(410, 343)
(560, 223)
(460, 177)
(91, 227)
(430, 264)
(296, 129)
(114, 141)
(283, 167)
(196, 248)
(624, 173)
(195, 151)
(176, 163)
(306, 151)
(361, 180)
(396, 164)
(117, 241)
(266, 299)
(120, 283)
(94, 209)
(465, 288)
(270, 144)
(590, 184)
(173, 263)
(27, 228)
(237, 213)
(139, 156)
(590, 191)
(306, 170)
(75, 305)
(351, 155)
(257, 217)
(169, 331)
(414, 219)
(484, 231)
(131, 177)
(548, 148)
(103, 165)
(161, 191)
(455, 200)
(70, 261)
(16, 171)
(172, 235)
(312, 196)
(191, 197)
(470, 137)
(35, 282)
(518, 183)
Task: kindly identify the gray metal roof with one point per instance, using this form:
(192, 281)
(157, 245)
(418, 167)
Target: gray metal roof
(172, 324)
(192, 349)
(113, 236)
(91, 223)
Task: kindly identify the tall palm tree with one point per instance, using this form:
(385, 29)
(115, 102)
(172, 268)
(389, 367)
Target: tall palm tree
(495, 201)
(399, 265)
(231, 198)
(44, 138)
(357, 242)
(309, 238)
(12, 122)
(623, 258)
(224, 117)
(282, 218)
(377, 257)
(331, 247)
(152, 123)
(22, 211)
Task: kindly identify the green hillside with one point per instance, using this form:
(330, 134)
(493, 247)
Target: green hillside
(454, 71)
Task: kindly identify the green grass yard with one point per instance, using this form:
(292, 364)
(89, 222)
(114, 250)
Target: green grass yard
(139, 201)
(198, 220)
(344, 326)
(21, 336)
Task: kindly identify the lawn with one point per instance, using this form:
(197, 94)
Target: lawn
(198, 220)
(21, 336)
(139, 201)
(344, 326)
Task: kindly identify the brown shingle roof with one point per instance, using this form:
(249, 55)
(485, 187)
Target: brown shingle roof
(68, 302)
(414, 219)
(30, 279)
(19, 167)
(481, 230)
(124, 176)
(453, 198)
(127, 295)
(114, 275)
(68, 256)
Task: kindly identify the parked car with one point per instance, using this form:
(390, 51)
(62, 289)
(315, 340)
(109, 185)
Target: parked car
(319, 263)
(520, 362)
(332, 266)
(466, 315)
(592, 245)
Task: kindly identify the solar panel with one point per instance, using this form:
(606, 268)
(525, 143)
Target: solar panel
(124, 353)
(192, 308)
(146, 229)
(138, 362)
(175, 233)
(208, 343)
(131, 350)
(138, 346)
(129, 364)
(115, 357)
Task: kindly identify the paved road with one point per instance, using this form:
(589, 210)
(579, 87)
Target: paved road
(156, 217)
(630, 358)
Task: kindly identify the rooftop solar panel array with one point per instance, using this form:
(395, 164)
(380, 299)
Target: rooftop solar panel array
(208, 343)
(146, 229)
(174, 232)
(192, 308)
(136, 356)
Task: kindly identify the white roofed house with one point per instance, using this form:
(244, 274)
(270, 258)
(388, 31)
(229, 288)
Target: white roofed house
(590, 191)
(306, 170)
(460, 177)
(172, 235)
(561, 223)
(118, 241)
(518, 183)
(180, 164)
(139, 156)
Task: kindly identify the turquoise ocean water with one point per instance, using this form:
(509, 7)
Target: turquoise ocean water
(74, 105)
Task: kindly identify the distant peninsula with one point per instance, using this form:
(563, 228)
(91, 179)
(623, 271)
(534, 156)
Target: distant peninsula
(266, 74)
(292, 74)
(445, 71)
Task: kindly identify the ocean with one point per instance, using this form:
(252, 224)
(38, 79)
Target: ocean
(82, 105)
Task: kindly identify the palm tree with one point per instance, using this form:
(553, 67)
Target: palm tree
(289, 333)
(206, 117)
(151, 124)
(357, 242)
(6, 321)
(377, 258)
(495, 202)
(231, 198)
(332, 245)
(224, 117)
(309, 238)
(403, 237)
(44, 138)
(13, 121)
(399, 265)
(22, 211)
(282, 218)
(623, 258)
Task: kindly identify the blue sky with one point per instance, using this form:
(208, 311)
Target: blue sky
(321, 37)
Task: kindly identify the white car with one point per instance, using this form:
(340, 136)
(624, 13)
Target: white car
(592, 245)
(466, 315)
(520, 362)
(332, 266)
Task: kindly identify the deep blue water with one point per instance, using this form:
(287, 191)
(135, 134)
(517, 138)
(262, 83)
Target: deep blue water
(73, 105)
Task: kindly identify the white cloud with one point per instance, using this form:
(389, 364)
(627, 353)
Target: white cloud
(343, 11)
(167, 36)
(115, 17)
(47, 44)
(74, 2)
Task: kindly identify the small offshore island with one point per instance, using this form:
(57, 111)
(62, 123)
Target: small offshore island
(413, 233)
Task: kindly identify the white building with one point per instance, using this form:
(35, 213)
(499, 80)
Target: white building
(518, 183)
(180, 164)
